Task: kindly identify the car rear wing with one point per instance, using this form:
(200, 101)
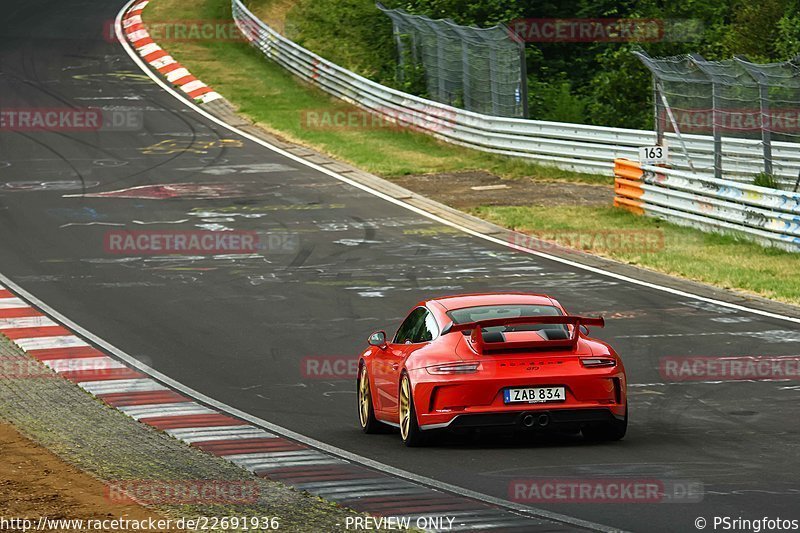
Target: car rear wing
(482, 346)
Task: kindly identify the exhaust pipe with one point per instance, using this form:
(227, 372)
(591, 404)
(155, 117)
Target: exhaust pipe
(543, 420)
(528, 421)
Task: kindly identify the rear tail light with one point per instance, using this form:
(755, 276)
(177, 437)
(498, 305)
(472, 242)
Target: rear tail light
(454, 368)
(598, 362)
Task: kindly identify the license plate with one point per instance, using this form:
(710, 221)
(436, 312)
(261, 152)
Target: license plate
(534, 395)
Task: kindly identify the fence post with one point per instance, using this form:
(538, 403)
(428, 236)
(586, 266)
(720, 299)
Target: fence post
(659, 113)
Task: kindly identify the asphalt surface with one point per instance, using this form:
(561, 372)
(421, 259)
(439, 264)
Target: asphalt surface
(238, 329)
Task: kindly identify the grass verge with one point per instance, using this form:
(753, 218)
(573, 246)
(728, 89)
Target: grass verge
(276, 101)
(720, 260)
(268, 95)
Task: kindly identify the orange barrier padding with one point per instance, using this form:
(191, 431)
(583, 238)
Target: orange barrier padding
(625, 168)
(629, 188)
(634, 206)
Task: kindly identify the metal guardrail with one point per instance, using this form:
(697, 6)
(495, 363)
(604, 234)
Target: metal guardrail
(572, 146)
(768, 216)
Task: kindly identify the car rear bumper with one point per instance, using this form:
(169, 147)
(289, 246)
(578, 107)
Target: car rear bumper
(476, 400)
(528, 419)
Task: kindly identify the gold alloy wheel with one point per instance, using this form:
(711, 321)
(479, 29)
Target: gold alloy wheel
(405, 407)
(363, 397)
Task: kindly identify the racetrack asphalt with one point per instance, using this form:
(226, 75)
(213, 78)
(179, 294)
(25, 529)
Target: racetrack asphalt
(237, 329)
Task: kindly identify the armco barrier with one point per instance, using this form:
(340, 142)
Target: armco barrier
(768, 216)
(572, 146)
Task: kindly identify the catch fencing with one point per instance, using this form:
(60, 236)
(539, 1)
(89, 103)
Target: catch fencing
(478, 69)
(578, 147)
(733, 98)
(765, 215)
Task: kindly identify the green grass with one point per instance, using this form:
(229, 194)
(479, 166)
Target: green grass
(267, 94)
(720, 260)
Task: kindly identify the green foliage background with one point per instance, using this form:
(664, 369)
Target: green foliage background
(591, 83)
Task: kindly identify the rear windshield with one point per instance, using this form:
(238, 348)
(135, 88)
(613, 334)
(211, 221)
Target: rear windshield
(488, 312)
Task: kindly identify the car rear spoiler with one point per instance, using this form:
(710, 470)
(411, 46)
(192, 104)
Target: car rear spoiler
(480, 345)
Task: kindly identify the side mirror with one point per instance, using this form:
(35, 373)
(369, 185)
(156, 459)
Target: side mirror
(377, 339)
(585, 330)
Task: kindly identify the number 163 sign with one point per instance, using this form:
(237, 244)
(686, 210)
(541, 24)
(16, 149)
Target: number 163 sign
(653, 155)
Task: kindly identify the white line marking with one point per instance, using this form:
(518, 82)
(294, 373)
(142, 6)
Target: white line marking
(47, 343)
(121, 385)
(149, 49)
(207, 434)
(162, 62)
(193, 86)
(138, 35)
(12, 303)
(177, 74)
(26, 322)
(283, 462)
(138, 412)
(245, 457)
(78, 364)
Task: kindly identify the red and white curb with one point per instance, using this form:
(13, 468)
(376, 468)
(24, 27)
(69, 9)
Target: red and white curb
(261, 452)
(156, 57)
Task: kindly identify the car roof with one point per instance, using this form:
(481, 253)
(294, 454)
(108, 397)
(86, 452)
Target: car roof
(460, 301)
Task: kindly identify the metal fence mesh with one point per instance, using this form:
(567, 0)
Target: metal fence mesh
(731, 99)
(477, 69)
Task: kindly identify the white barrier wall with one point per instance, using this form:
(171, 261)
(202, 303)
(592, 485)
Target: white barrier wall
(572, 146)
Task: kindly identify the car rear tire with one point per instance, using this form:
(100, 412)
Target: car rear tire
(410, 432)
(366, 410)
(609, 431)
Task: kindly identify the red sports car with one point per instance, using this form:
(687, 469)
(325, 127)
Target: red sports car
(486, 360)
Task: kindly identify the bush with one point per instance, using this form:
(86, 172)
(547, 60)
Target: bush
(765, 179)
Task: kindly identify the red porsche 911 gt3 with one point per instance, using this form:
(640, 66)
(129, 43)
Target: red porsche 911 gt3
(488, 360)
